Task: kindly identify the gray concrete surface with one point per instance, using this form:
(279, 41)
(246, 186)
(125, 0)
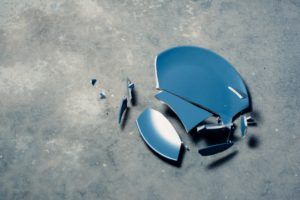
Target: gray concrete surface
(57, 141)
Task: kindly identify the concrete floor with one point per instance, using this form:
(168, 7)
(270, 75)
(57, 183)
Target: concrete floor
(58, 141)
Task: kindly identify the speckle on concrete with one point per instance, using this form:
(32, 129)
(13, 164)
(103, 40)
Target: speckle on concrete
(57, 141)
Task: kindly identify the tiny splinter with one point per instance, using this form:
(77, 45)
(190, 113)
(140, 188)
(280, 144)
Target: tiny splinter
(102, 94)
(130, 87)
(186, 148)
(122, 109)
(250, 121)
(93, 81)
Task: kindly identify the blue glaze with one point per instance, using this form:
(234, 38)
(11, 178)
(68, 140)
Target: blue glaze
(189, 115)
(202, 77)
(159, 134)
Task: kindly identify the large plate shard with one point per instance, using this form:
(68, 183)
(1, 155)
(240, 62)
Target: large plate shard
(204, 78)
(159, 134)
(189, 115)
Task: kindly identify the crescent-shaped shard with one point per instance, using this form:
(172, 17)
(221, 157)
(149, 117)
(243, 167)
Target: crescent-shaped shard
(159, 134)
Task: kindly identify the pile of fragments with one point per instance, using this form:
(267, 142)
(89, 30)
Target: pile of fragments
(196, 84)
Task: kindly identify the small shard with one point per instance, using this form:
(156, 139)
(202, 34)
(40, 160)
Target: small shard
(244, 125)
(123, 108)
(93, 81)
(102, 94)
(250, 121)
(219, 120)
(130, 84)
(213, 149)
(130, 87)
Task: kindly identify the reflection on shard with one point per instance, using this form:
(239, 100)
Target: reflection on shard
(189, 115)
(159, 134)
(213, 149)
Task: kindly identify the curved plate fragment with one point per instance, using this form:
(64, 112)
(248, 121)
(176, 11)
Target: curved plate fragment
(213, 149)
(189, 115)
(204, 78)
(159, 134)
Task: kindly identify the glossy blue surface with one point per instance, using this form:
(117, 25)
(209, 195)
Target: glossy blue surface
(204, 78)
(189, 115)
(159, 134)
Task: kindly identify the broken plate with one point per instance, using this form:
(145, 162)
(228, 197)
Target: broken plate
(159, 134)
(204, 78)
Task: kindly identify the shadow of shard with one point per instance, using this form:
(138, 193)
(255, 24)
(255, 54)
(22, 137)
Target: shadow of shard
(222, 161)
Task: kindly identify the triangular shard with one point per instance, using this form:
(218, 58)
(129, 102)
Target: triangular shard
(213, 149)
(238, 93)
(93, 81)
(189, 114)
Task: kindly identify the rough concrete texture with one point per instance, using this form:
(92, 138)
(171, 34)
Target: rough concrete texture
(58, 141)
